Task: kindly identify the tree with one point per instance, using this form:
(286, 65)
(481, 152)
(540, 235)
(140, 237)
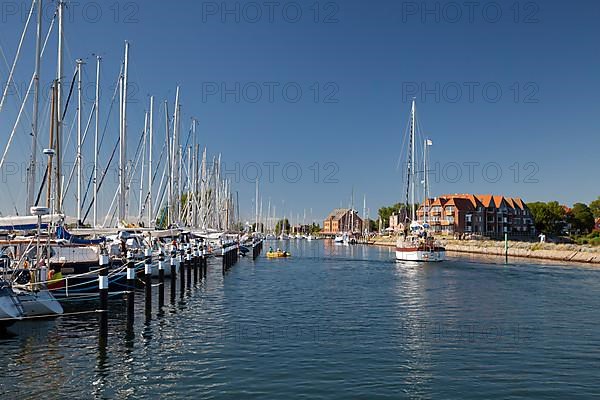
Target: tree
(582, 218)
(595, 207)
(548, 217)
(282, 222)
(314, 228)
(385, 212)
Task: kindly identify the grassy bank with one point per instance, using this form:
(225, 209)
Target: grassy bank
(546, 251)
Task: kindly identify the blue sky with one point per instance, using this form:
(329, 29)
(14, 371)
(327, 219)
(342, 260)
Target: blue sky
(499, 87)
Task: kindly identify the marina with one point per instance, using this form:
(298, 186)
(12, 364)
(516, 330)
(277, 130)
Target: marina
(195, 203)
(373, 325)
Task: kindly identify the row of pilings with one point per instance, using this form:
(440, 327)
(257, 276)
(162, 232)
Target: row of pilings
(188, 264)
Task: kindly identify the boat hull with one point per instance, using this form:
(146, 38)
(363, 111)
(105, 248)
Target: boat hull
(40, 303)
(417, 254)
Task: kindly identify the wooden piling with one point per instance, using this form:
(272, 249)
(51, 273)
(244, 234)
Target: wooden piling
(103, 290)
(130, 288)
(148, 281)
(161, 280)
(181, 262)
(196, 262)
(173, 263)
(189, 266)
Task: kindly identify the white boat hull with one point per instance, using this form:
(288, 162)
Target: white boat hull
(8, 308)
(40, 303)
(421, 255)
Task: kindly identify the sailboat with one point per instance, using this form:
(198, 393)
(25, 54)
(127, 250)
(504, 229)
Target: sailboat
(417, 243)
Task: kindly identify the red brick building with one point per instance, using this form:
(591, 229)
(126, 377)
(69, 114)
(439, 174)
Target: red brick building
(485, 215)
(341, 220)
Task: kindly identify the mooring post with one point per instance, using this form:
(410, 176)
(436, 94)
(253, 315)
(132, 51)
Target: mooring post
(204, 262)
(224, 260)
(173, 263)
(196, 264)
(181, 262)
(506, 248)
(189, 265)
(130, 287)
(103, 289)
(161, 280)
(148, 281)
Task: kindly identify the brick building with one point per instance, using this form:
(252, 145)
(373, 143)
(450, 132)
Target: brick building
(340, 220)
(485, 215)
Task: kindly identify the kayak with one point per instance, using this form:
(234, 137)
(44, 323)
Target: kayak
(278, 254)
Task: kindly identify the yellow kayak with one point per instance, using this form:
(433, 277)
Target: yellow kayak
(278, 254)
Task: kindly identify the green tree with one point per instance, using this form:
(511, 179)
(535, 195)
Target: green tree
(314, 228)
(548, 217)
(385, 213)
(582, 218)
(595, 207)
(282, 222)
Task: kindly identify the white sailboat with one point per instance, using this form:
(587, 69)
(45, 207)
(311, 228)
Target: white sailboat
(417, 244)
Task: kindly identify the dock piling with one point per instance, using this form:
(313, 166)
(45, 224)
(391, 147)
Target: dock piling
(173, 263)
(161, 280)
(148, 281)
(130, 288)
(103, 290)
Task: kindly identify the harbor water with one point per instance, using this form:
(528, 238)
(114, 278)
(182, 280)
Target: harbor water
(331, 322)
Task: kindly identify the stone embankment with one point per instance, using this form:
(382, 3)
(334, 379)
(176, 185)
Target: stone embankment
(546, 251)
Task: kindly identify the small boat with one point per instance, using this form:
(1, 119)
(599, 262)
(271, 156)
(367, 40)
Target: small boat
(278, 254)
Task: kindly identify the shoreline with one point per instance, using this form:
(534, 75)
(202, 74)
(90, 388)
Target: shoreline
(542, 251)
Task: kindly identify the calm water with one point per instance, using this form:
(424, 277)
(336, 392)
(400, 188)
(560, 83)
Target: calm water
(332, 323)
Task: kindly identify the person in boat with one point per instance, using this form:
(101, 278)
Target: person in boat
(55, 277)
(270, 249)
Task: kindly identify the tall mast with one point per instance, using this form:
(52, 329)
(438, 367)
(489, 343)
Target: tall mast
(59, 77)
(145, 141)
(169, 164)
(79, 62)
(412, 162)
(36, 102)
(123, 139)
(176, 154)
(150, 146)
(256, 208)
(96, 139)
(425, 181)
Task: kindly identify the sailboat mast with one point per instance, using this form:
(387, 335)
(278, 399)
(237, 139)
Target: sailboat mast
(412, 162)
(425, 196)
(59, 77)
(79, 62)
(96, 139)
(123, 139)
(150, 147)
(169, 164)
(36, 102)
